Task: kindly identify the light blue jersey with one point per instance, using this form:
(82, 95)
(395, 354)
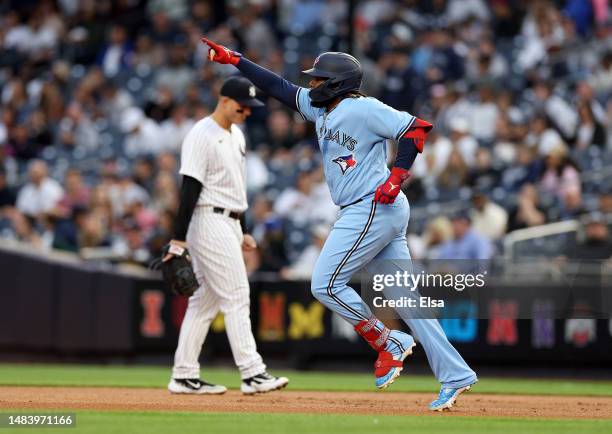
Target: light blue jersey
(352, 140)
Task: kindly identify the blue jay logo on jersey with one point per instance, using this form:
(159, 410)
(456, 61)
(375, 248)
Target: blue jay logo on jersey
(345, 162)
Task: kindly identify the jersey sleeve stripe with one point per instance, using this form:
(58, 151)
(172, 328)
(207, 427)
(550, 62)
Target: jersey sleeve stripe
(297, 103)
(399, 136)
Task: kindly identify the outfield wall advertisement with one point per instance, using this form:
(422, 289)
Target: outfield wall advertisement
(66, 308)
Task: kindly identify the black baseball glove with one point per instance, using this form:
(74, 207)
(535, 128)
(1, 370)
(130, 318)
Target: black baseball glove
(177, 271)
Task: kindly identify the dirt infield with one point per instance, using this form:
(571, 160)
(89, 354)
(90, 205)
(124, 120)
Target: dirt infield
(286, 401)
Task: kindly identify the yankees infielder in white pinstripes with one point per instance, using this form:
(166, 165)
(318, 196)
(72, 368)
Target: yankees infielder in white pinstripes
(216, 157)
(213, 156)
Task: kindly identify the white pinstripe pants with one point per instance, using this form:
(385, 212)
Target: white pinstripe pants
(215, 242)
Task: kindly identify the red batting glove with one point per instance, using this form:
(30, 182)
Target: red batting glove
(387, 192)
(220, 54)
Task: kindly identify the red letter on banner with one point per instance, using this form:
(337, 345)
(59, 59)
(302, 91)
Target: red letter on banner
(271, 317)
(502, 323)
(152, 325)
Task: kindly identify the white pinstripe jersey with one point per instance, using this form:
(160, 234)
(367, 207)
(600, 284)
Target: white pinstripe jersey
(216, 157)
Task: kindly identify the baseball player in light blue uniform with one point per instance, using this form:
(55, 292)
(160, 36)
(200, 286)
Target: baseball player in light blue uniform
(352, 130)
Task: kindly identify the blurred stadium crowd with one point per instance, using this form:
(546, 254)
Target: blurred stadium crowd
(97, 95)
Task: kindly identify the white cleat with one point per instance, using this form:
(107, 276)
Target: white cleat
(262, 383)
(195, 386)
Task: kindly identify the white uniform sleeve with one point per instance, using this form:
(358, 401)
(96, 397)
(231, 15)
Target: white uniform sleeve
(386, 121)
(305, 108)
(194, 154)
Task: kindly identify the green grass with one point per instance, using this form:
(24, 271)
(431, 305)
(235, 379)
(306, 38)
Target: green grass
(218, 423)
(156, 376)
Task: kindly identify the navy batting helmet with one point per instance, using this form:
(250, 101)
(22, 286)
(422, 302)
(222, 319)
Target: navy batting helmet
(343, 73)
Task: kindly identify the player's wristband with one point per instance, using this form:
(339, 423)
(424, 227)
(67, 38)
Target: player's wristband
(173, 249)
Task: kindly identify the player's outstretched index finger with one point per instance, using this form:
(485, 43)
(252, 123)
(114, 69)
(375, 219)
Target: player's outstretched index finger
(210, 43)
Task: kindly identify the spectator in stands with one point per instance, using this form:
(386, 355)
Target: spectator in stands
(176, 128)
(484, 176)
(163, 232)
(162, 29)
(504, 147)
(485, 63)
(258, 38)
(77, 129)
(77, 194)
(7, 194)
(279, 130)
(571, 204)
(258, 175)
(596, 244)
(261, 213)
(399, 86)
(457, 106)
(309, 201)
(167, 162)
(39, 129)
(143, 135)
(601, 80)
(93, 232)
(143, 172)
(559, 111)
(116, 54)
(463, 140)
(590, 130)
(455, 174)
(21, 144)
(483, 116)
(466, 243)
(273, 256)
(23, 230)
(165, 193)
(605, 203)
(146, 54)
(41, 194)
(302, 268)
(124, 192)
(560, 174)
(66, 231)
(176, 74)
(132, 244)
(460, 11)
(160, 106)
(528, 211)
(488, 218)
(438, 232)
(16, 33)
(586, 94)
(524, 169)
(434, 159)
(145, 217)
(115, 101)
(542, 137)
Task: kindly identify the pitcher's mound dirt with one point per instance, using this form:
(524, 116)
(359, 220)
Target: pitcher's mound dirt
(288, 401)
